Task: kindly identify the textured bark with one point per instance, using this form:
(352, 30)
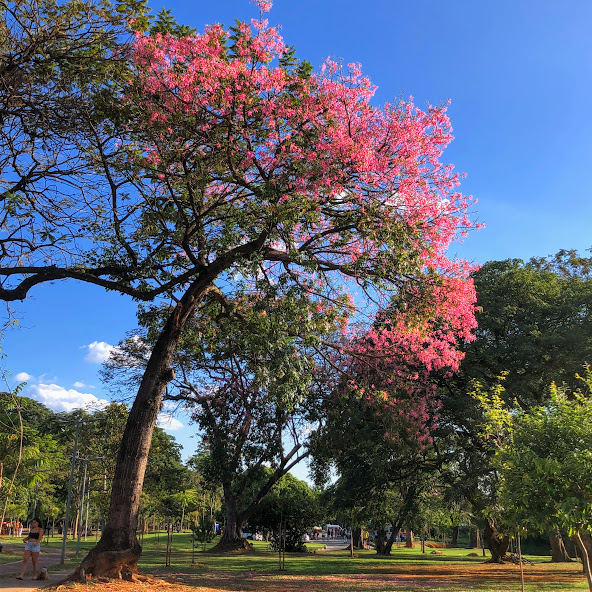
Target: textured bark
(559, 553)
(409, 541)
(384, 545)
(497, 543)
(358, 538)
(118, 550)
(232, 536)
(380, 541)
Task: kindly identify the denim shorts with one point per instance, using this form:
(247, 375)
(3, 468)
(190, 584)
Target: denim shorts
(33, 547)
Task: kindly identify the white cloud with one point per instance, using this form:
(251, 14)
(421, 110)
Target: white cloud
(98, 352)
(23, 377)
(58, 398)
(168, 423)
(79, 384)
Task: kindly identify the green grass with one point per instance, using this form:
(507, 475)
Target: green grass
(10, 555)
(406, 570)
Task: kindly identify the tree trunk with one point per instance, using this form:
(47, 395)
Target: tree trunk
(390, 541)
(118, 550)
(497, 543)
(75, 526)
(358, 538)
(380, 542)
(232, 537)
(584, 544)
(473, 538)
(454, 541)
(559, 553)
(409, 539)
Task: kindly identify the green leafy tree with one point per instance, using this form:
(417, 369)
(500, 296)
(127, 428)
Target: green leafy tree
(290, 510)
(381, 464)
(534, 324)
(204, 531)
(547, 467)
(256, 170)
(245, 373)
(534, 327)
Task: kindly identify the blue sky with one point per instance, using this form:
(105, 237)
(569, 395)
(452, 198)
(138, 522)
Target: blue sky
(519, 75)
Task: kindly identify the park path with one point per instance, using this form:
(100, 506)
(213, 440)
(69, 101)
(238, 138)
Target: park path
(11, 584)
(8, 572)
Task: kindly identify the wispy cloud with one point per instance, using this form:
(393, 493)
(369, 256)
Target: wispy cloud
(79, 384)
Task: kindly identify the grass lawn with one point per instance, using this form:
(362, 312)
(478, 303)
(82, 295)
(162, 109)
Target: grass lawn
(13, 552)
(406, 570)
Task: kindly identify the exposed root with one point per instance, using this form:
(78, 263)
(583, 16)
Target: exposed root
(112, 565)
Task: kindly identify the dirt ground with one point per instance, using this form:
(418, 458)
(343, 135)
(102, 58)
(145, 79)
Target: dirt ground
(446, 577)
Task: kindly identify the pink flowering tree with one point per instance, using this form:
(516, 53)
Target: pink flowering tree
(223, 163)
(382, 412)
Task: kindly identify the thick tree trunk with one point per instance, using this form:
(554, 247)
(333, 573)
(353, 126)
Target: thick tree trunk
(559, 553)
(454, 540)
(118, 550)
(381, 542)
(232, 537)
(497, 543)
(358, 538)
(409, 540)
(388, 545)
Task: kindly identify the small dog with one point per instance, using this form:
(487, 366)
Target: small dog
(42, 575)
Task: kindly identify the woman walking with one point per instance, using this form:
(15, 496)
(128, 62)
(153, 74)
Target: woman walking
(32, 548)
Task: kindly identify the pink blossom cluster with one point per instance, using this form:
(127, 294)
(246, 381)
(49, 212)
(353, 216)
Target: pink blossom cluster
(248, 145)
(313, 143)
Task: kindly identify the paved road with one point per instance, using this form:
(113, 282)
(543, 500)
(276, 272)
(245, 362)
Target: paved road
(336, 544)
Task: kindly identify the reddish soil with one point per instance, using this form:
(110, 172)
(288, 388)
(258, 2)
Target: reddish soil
(412, 577)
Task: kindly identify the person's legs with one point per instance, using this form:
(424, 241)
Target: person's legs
(35, 557)
(25, 561)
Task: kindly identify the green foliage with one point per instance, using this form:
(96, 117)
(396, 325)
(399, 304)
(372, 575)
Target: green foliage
(496, 420)
(166, 24)
(291, 504)
(535, 323)
(534, 327)
(45, 463)
(547, 465)
(204, 531)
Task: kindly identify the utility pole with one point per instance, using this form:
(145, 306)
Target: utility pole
(81, 506)
(69, 500)
(82, 500)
